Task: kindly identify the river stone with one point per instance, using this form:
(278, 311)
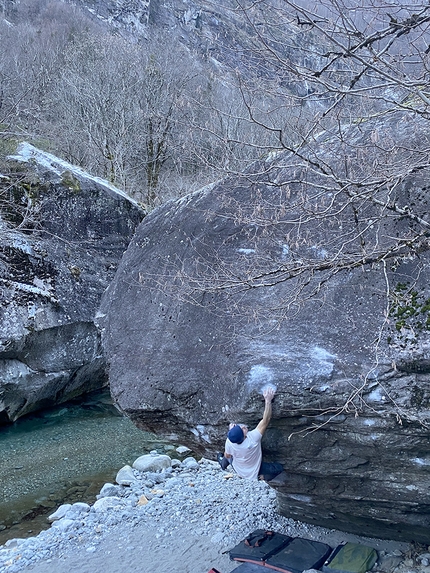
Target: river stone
(50, 348)
(109, 489)
(64, 524)
(389, 562)
(60, 512)
(107, 503)
(125, 476)
(152, 463)
(353, 391)
(77, 510)
(183, 450)
(190, 463)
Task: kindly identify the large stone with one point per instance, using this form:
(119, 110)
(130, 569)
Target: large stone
(192, 339)
(108, 503)
(152, 463)
(52, 276)
(60, 512)
(125, 476)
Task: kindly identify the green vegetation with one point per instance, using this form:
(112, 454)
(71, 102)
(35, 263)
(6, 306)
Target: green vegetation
(410, 311)
(70, 181)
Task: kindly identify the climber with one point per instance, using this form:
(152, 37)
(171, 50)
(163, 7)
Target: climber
(243, 447)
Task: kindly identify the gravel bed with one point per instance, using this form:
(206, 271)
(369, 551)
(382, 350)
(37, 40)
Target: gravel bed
(192, 506)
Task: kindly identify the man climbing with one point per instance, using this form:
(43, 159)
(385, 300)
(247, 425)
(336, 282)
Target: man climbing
(243, 447)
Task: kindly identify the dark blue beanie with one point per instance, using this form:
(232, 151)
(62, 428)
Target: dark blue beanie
(236, 435)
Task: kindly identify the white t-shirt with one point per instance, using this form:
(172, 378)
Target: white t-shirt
(247, 456)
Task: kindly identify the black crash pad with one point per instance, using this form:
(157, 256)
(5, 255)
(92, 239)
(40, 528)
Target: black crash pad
(259, 545)
(299, 555)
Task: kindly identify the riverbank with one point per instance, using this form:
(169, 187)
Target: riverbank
(48, 458)
(184, 518)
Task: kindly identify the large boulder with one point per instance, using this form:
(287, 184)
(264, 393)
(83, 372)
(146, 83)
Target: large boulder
(62, 236)
(246, 284)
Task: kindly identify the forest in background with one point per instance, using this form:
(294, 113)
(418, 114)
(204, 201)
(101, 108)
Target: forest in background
(146, 114)
(337, 92)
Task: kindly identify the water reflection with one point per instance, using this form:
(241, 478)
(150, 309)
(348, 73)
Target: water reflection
(63, 455)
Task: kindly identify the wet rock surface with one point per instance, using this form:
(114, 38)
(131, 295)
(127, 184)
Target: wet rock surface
(60, 456)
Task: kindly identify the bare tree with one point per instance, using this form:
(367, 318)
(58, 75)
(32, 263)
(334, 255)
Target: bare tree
(339, 79)
(341, 90)
(31, 55)
(113, 106)
(120, 109)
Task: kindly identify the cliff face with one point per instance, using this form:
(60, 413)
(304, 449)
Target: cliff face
(56, 261)
(241, 285)
(217, 33)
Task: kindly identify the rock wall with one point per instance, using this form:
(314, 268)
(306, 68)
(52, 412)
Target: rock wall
(192, 334)
(54, 267)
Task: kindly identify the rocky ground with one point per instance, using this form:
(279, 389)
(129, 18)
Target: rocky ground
(164, 515)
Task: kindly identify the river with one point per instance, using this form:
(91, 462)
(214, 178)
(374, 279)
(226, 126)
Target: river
(63, 455)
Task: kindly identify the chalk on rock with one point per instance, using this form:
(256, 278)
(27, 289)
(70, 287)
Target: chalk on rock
(152, 463)
(268, 386)
(60, 513)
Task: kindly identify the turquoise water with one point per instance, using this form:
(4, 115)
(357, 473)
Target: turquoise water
(63, 455)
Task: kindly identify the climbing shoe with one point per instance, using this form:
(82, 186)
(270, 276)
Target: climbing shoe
(223, 462)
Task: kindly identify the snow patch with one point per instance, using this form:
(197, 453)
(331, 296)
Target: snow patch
(29, 288)
(21, 244)
(27, 153)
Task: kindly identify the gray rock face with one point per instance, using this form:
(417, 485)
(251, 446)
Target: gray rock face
(52, 276)
(132, 15)
(217, 31)
(202, 314)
